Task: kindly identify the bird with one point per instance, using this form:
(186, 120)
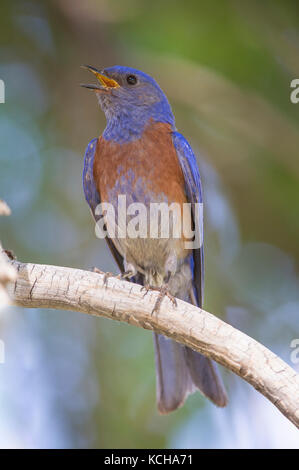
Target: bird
(141, 155)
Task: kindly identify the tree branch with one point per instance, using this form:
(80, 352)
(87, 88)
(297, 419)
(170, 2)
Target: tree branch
(7, 272)
(43, 286)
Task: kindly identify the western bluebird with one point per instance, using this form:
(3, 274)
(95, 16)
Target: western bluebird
(142, 156)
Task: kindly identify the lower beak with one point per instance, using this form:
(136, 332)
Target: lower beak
(105, 83)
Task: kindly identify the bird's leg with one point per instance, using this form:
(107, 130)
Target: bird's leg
(130, 271)
(163, 292)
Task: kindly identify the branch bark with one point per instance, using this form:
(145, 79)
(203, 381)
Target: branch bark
(7, 272)
(43, 286)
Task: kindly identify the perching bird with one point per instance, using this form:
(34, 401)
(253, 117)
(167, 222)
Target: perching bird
(142, 156)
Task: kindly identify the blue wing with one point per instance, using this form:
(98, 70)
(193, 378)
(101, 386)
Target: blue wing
(92, 196)
(193, 190)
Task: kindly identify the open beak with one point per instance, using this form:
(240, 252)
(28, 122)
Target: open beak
(105, 83)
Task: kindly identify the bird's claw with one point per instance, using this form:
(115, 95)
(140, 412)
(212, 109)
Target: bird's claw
(121, 276)
(147, 287)
(106, 275)
(163, 292)
(126, 275)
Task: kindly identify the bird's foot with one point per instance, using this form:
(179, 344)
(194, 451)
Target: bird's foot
(126, 275)
(163, 292)
(106, 275)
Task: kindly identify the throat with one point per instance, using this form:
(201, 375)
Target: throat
(125, 127)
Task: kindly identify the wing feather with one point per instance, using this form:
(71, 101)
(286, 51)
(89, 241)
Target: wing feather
(193, 190)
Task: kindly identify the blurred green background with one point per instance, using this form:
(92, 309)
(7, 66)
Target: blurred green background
(226, 67)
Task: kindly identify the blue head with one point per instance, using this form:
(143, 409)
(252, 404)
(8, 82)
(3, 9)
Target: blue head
(129, 99)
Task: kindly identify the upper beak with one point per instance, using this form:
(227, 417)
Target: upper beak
(105, 83)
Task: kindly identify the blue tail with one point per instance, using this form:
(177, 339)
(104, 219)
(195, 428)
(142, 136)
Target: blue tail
(180, 371)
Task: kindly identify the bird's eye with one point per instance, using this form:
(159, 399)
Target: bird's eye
(131, 79)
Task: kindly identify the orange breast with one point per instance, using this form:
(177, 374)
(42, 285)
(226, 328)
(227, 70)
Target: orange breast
(147, 167)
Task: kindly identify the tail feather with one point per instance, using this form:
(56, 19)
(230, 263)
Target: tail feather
(206, 378)
(173, 379)
(180, 371)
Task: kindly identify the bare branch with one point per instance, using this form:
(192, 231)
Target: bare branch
(56, 287)
(7, 272)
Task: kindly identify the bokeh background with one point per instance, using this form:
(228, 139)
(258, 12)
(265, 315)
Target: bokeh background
(75, 381)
